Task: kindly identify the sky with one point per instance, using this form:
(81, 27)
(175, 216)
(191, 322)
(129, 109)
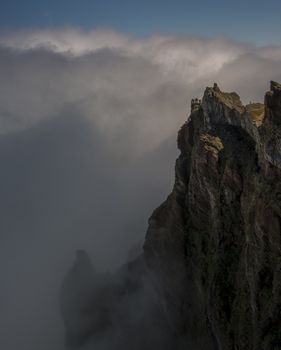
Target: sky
(92, 96)
(253, 20)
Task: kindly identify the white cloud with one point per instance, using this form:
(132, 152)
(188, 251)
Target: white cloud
(120, 81)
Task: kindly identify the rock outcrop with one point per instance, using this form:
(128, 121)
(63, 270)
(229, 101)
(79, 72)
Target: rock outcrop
(112, 311)
(75, 298)
(215, 243)
(212, 250)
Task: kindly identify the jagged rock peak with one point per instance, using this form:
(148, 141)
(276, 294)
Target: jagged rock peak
(212, 249)
(274, 86)
(229, 99)
(215, 242)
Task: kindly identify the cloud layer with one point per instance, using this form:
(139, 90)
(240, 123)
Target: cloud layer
(88, 124)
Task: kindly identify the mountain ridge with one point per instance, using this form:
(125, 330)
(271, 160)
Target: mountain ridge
(212, 249)
(223, 226)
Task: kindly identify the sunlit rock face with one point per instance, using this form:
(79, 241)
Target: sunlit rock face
(215, 243)
(210, 273)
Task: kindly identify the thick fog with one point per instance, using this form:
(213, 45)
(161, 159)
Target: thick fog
(88, 127)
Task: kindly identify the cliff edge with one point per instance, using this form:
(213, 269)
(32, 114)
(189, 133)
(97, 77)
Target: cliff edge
(210, 273)
(215, 242)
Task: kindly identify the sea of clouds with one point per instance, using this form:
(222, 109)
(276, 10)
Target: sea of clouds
(88, 126)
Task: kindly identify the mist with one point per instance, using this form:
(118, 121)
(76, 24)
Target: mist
(88, 126)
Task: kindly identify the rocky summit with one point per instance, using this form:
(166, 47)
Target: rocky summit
(213, 249)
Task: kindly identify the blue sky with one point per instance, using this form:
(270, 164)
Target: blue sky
(256, 21)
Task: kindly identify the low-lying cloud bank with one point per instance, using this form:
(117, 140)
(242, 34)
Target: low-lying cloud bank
(88, 124)
(116, 80)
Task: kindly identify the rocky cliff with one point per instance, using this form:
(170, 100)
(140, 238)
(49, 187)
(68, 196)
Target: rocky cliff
(215, 242)
(213, 249)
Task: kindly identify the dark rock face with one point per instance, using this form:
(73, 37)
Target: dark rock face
(210, 274)
(215, 243)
